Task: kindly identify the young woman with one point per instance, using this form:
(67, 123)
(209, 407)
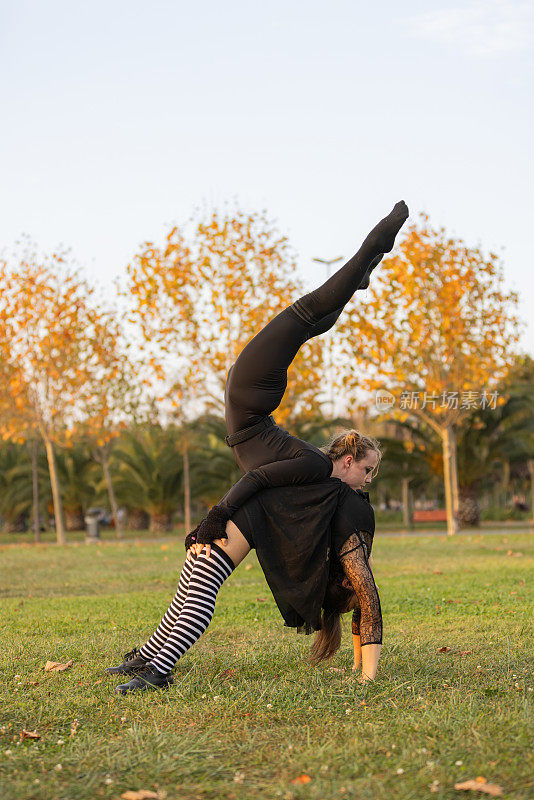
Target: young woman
(271, 457)
(314, 545)
(268, 455)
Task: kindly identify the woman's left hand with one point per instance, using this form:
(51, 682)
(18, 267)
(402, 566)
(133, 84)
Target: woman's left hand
(197, 548)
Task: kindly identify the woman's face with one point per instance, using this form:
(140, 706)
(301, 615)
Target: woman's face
(357, 474)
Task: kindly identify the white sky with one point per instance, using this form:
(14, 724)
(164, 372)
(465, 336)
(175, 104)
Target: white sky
(119, 118)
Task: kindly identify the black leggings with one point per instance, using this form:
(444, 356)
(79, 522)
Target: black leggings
(257, 381)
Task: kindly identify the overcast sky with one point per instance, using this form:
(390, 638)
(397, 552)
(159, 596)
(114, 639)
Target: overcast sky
(119, 118)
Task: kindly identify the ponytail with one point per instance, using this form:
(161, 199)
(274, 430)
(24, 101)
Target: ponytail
(336, 601)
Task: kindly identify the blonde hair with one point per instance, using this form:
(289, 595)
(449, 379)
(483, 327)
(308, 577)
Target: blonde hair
(355, 444)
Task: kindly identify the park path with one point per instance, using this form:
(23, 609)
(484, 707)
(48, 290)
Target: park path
(494, 530)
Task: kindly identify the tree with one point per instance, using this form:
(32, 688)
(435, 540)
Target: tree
(438, 330)
(199, 298)
(113, 404)
(55, 344)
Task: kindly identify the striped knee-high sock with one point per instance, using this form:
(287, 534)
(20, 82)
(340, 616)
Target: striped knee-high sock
(160, 635)
(206, 579)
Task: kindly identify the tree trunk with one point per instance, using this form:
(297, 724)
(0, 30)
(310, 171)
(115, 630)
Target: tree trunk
(160, 523)
(56, 492)
(138, 519)
(74, 519)
(454, 473)
(469, 512)
(112, 498)
(18, 524)
(35, 491)
(406, 503)
(187, 492)
(505, 481)
(447, 438)
(531, 470)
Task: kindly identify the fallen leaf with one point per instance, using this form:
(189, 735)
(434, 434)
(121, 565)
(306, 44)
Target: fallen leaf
(444, 650)
(261, 599)
(140, 794)
(438, 572)
(29, 735)
(228, 673)
(464, 653)
(480, 785)
(302, 779)
(56, 666)
(249, 566)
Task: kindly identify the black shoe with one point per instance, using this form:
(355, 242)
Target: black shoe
(132, 664)
(149, 678)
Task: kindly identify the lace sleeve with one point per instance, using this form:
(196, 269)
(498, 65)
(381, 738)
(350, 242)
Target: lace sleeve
(368, 623)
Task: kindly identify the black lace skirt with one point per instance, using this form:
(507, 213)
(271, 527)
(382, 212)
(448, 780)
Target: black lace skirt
(296, 531)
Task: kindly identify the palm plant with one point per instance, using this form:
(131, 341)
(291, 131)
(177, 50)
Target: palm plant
(493, 439)
(411, 461)
(148, 473)
(78, 476)
(213, 467)
(16, 490)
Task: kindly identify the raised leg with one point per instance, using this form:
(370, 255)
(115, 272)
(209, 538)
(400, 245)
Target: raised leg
(337, 290)
(257, 381)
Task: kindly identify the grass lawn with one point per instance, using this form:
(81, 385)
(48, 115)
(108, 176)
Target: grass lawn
(247, 716)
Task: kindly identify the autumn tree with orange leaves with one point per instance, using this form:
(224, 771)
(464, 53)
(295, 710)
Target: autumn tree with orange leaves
(111, 405)
(203, 294)
(437, 331)
(55, 347)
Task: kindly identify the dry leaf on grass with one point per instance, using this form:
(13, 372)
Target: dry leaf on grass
(29, 735)
(56, 666)
(228, 673)
(261, 599)
(438, 572)
(444, 650)
(249, 566)
(141, 794)
(480, 784)
(302, 779)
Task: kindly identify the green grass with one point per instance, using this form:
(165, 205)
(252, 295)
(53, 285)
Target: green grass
(249, 733)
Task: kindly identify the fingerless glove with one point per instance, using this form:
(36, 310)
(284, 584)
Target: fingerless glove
(213, 526)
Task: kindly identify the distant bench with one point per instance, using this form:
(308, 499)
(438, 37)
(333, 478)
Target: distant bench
(436, 515)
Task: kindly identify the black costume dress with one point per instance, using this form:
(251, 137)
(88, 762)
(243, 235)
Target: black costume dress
(296, 532)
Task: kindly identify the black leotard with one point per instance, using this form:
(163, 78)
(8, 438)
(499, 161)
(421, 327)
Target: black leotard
(257, 381)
